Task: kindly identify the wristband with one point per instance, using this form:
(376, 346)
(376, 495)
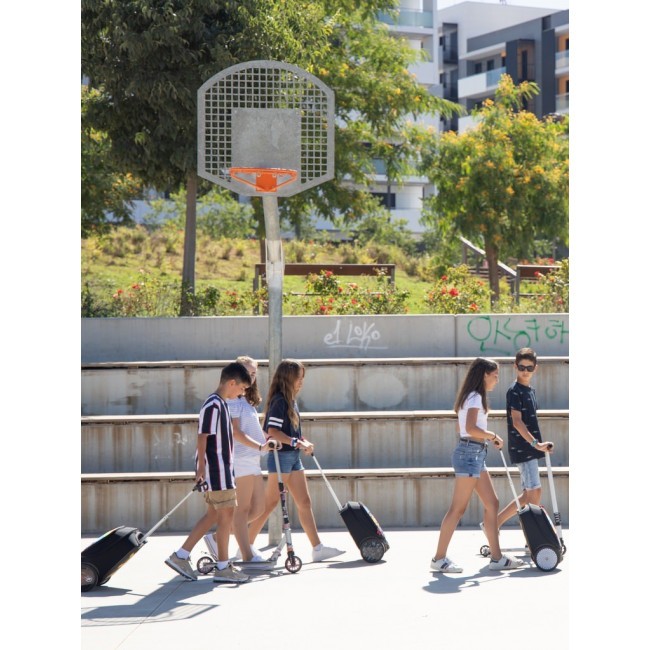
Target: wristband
(294, 443)
(534, 442)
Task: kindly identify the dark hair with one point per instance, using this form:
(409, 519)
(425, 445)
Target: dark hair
(526, 353)
(474, 382)
(284, 379)
(236, 371)
(252, 394)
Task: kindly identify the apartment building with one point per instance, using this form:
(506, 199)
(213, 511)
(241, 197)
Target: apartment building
(468, 46)
(479, 42)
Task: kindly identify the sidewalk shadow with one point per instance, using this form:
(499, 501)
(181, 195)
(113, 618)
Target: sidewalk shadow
(165, 604)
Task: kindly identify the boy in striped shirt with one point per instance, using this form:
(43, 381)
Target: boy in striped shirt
(214, 465)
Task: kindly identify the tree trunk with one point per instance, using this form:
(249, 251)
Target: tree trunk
(492, 255)
(189, 247)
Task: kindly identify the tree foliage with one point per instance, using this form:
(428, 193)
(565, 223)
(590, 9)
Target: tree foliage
(104, 188)
(148, 58)
(504, 182)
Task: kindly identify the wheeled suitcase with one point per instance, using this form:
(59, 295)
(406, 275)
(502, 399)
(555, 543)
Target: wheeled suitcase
(105, 556)
(545, 544)
(364, 528)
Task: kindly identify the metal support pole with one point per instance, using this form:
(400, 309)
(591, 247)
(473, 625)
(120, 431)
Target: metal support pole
(274, 282)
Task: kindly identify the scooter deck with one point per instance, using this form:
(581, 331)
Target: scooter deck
(255, 566)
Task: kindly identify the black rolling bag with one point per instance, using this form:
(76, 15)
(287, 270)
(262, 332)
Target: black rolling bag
(544, 542)
(105, 556)
(364, 528)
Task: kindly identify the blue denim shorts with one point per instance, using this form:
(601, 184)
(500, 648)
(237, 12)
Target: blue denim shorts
(289, 461)
(468, 459)
(529, 472)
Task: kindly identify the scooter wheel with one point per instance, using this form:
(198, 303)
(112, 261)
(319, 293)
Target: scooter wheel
(293, 564)
(546, 557)
(485, 550)
(563, 549)
(89, 576)
(205, 565)
(372, 549)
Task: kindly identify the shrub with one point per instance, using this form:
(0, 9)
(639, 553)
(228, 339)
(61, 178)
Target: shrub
(457, 292)
(554, 290)
(330, 296)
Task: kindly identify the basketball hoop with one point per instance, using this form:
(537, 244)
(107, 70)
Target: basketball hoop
(267, 179)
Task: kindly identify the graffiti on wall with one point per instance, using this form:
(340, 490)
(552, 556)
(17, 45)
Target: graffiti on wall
(361, 336)
(496, 335)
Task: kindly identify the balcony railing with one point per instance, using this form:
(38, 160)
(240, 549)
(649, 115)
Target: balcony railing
(408, 18)
(562, 102)
(562, 59)
(492, 77)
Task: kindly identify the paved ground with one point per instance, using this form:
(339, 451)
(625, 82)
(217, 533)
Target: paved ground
(344, 603)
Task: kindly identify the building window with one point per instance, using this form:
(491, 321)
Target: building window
(490, 65)
(385, 200)
(478, 68)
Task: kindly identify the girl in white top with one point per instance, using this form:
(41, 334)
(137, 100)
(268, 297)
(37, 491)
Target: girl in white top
(470, 469)
(249, 446)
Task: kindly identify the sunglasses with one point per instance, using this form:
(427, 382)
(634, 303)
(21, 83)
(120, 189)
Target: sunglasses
(522, 368)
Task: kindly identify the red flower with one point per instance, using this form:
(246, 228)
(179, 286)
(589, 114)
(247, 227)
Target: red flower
(328, 274)
(474, 307)
(135, 286)
(443, 278)
(443, 291)
(453, 292)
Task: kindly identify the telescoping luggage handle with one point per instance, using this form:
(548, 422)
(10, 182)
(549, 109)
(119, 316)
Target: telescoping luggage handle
(512, 485)
(329, 487)
(201, 486)
(556, 511)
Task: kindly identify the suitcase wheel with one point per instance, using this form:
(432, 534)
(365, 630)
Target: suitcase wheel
(205, 565)
(372, 549)
(485, 550)
(546, 557)
(89, 576)
(293, 564)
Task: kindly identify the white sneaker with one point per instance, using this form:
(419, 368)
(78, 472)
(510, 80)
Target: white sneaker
(445, 565)
(212, 545)
(230, 574)
(183, 567)
(325, 553)
(506, 562)
(255, 553)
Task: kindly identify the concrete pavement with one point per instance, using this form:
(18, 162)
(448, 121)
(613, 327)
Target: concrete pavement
(342, 603)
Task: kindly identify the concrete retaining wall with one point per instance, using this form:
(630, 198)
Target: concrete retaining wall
(358, 440)
(330, 385)
(403, 498)
(323, 337)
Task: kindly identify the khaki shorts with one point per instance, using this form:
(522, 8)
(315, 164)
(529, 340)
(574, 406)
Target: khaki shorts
(221, 499)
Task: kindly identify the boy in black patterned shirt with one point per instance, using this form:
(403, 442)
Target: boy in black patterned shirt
(525, 445)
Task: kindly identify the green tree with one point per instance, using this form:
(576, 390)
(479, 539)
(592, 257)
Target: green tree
(103, 187)
(149, 58)
(505, 181)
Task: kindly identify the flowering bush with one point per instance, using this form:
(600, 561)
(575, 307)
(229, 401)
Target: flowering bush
(554, 290)
(147, 297)
(327, 295)
(457, 292)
